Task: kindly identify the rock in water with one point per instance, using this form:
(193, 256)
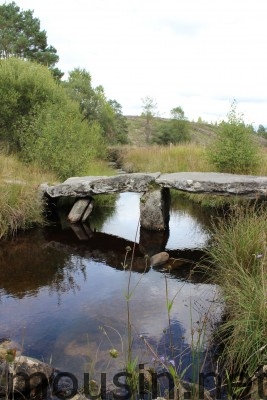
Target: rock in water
(159, 259)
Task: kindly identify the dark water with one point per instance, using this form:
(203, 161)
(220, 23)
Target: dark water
(63, 294)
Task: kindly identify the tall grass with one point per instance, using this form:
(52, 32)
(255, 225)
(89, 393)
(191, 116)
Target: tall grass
(186, 157)
(20, 205)
(181, 158)
(239, 256)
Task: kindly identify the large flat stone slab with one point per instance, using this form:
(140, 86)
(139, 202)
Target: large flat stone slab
(215, 183)
(91, 185)
(195, 182)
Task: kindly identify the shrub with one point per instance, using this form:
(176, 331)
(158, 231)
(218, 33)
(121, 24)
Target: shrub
(57, 139)
(24, 87)
(234, 150)
(41, 122)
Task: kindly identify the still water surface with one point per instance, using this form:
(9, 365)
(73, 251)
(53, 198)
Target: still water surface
(64, 299)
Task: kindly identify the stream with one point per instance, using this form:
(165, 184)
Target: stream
(63, 292)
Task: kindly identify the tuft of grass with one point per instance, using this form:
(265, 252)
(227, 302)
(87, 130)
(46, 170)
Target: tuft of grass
(239, 258)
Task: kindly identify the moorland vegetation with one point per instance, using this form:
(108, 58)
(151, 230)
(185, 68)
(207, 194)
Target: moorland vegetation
(52, 128)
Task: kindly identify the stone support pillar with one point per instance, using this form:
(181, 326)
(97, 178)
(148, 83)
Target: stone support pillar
(155, 210)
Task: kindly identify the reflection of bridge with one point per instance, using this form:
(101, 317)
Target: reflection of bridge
(154, 205)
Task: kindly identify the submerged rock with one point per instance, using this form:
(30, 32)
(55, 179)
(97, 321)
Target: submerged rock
(159, 259)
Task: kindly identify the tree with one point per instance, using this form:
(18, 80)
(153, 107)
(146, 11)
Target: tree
(172, 131)
(149, 112)
(262, 131)
(21, 36)
(94, 106)
(120, 122)
(234, 150)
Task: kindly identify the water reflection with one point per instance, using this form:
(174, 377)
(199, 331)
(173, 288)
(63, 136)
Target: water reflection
(64, 298)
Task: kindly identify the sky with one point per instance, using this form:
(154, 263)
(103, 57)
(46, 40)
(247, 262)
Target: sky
(197, 54)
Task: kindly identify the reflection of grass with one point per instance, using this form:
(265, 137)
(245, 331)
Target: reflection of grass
(104, 208)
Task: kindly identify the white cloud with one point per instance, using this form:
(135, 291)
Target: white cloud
(197, 54)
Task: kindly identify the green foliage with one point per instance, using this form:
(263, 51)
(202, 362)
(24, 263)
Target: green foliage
(234, 149)
(172, 131)
(22, 37)
(38, 119)
(149, 112)
(25, 86)
(239, 257)
(57, 139)
(95, 107)
(120, 125)
(262, 131)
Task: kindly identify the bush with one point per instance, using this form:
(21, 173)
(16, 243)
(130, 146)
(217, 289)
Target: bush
(41, 122)
(171, 132)
(25, 86)
(234, 149)
(57, 139)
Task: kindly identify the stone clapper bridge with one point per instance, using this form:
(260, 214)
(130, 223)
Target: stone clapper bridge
(155, 201)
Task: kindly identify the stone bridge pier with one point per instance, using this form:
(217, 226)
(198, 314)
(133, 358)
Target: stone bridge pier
(154, 210)
(155, 201)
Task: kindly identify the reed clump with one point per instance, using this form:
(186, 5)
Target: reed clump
(239, 257)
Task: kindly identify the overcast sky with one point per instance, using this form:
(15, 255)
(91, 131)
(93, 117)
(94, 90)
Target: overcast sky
(197, 54)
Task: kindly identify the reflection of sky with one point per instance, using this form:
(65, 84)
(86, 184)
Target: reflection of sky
(125, 222)
(185, 231)
(64, 324)
(62, 329)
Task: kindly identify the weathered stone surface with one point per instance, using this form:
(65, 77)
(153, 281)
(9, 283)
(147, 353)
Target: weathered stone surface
(216, 183)
(24, 368)
(159, 259)
(88, 211)
(154, 210)
(89, 185)
(78, 210)
(196, 182)
(79, 231)
(152, 242)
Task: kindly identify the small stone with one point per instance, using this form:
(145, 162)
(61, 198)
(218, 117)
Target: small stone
(159, 259)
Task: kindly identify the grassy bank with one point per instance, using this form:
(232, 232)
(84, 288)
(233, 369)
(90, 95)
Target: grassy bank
(239, 257)
(184, 157)
(20, 205)
(188, 157)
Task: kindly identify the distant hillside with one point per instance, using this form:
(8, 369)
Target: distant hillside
(201, 133)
